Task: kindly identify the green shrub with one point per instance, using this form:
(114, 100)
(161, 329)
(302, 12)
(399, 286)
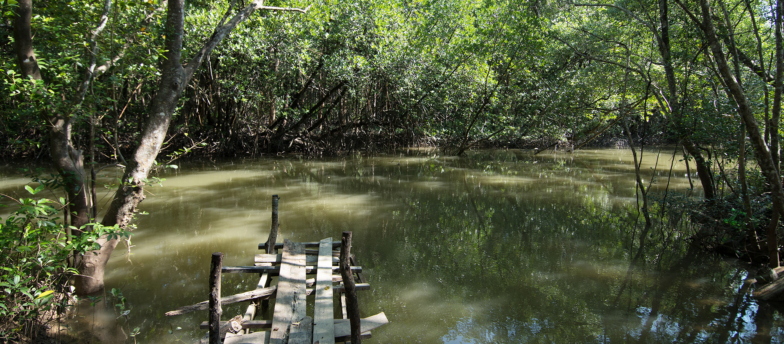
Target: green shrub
(35, 251)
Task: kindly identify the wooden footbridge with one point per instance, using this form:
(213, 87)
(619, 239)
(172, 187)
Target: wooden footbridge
(290, 322)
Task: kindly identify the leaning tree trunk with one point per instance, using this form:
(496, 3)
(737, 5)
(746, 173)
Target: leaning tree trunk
(762, 153)
(174, 77)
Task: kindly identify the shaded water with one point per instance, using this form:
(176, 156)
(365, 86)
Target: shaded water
(497, 247)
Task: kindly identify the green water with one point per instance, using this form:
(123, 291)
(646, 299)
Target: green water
(496, 247)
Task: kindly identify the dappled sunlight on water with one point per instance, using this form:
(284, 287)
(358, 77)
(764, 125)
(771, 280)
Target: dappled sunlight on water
(500, 246)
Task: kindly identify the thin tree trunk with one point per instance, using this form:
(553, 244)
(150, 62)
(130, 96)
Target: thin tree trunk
(703, 169)
(23, 40)
(174, 76)
(762, 153)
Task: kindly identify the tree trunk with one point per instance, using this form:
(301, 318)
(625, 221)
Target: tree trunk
(762, 153)
(663, 41)
(778, 88)
(23, 41)
(174, 77)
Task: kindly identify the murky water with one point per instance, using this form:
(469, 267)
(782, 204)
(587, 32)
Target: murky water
(496, 247)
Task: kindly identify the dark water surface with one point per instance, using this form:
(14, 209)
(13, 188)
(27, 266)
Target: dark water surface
(496, 247)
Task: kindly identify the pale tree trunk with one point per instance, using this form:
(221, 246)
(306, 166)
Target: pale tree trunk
(174, 77)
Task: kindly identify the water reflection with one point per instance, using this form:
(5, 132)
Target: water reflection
(496, 247)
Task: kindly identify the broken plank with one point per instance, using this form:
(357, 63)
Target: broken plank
(275, 270)
(248, 295)
(204, 305)
(323, 316)
(343, 326)
(263, 245)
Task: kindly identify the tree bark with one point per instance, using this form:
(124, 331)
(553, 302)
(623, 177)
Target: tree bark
(778, 88)
(762, 153)
(663, 41)
(23, 41)
(174, 76)
(352, 306)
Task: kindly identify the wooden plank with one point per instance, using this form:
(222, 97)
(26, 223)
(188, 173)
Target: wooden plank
(262, 294)
(290, 304)
(342, 301)
(301, 331)
(246, 324)
(251, 338)
(342, 330)
(250, 311)
(323, 316)
(315, 252)
(275, 270)
(360, 276)
(343, 326)
(263, 246)
(275, 259)
(248, 295)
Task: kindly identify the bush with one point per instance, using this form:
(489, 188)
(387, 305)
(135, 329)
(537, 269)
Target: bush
(35, 251)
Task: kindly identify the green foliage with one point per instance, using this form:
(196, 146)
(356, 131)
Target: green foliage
(36, 252)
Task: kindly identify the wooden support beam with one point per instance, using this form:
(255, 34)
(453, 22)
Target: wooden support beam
(270, 245)
(352, 305)
(275, 259)
(264, 294)
(263, 246)
(275, 270)
(215, 299)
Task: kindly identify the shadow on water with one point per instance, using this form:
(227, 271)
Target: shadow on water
(496, 247)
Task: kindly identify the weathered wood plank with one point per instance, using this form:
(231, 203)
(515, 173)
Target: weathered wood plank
(246, 324)
(275, 259)
(301, 331)
(275, 270)
(262, 294)
(251, 338)
(343, 326)
(290, 303)
(263, 246)
(248, 295)
(315, 252)
(342, 329)
(323, 316)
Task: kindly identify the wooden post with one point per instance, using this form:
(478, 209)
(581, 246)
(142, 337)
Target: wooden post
(271, 241)
(215, 302)
(352, 307)
(273, 236)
